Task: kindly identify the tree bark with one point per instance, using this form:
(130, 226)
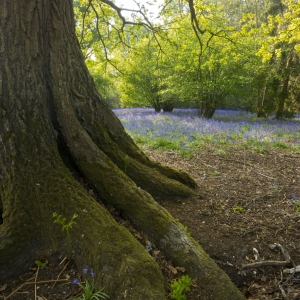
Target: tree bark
(283, 95)
(54, 123)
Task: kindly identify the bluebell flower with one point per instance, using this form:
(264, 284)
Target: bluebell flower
(92, 273)
(181, 125)
(75, 281)
(85, 270)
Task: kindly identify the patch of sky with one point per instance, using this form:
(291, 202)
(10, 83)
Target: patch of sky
(184, 128)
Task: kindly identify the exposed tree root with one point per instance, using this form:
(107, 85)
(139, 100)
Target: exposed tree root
(119, 190)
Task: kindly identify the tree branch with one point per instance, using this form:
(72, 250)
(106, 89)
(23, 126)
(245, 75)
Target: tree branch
(194, 18)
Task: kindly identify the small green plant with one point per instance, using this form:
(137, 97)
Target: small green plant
(164, 143)
(40, 264)
(295, 201)
(187, 232)
(215, 173)
(178, 287)
(261, 149)
(65, 226)
(221, 152)
(281, 145)
(89, 288)
(186, 154)
(238, 208)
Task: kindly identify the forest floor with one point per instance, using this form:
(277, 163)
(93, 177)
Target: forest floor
(245, 200)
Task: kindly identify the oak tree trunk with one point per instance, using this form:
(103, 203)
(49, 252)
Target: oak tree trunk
(53, 123)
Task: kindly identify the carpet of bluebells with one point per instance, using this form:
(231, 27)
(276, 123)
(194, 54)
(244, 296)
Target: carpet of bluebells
(183, 129)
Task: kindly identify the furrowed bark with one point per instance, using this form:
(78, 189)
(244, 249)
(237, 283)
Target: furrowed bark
(34, 180)
(52, 117)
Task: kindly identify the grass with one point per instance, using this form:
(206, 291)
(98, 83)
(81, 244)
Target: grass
(184, 132)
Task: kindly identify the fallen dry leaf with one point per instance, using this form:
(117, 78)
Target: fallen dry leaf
(181, 269)
(3, 287)
(156, 252)
(255, 286)
(263, 278)
(173, 270)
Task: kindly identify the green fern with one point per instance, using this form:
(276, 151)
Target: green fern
(178, 287)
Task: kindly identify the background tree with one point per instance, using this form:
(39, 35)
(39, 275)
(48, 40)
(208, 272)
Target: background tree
(249, 29)
(55, 126)
(280, 61)
(205, 68)
(140, 80)
(104, 76)
(285, 57)
(142, 75)
(238, 32)
(97, 44)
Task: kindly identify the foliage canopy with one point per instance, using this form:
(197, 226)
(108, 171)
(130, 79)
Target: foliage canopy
(205, 54)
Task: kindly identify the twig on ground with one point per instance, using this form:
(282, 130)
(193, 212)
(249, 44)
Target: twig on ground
(286, 262)
(281, 285)
(36, 276)
(282, 292)
(296, 296)
(226, 193)
(280, 229)
(293, 270)
(283, 251)
(265, 175)
(63, 260)
(60, 272)
(35, 282)
(266, 263)
(256, 255)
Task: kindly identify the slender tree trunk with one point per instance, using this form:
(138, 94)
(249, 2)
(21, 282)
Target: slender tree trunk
(54, 123)
(282, 98)
(284, 91)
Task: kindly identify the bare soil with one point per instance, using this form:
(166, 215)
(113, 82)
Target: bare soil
(245, 200)
(244, 203)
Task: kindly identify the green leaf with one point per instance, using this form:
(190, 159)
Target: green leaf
(40, 264)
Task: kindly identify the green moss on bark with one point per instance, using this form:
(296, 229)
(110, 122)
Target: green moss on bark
(151, 176)
(185, 252)
(122, 264)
